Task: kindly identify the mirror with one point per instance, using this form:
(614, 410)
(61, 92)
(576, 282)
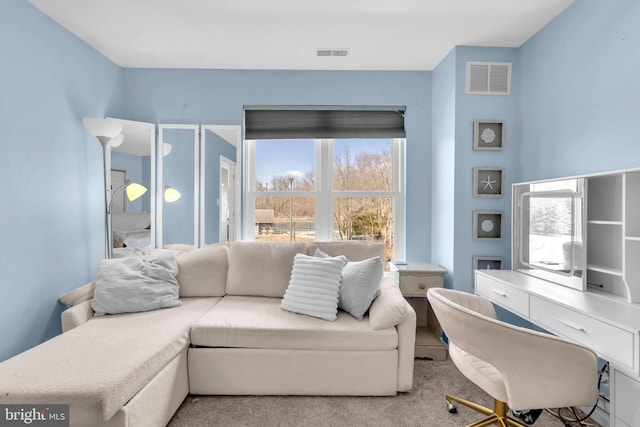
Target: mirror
(218, 186)
(178, 170)
(549, 231)
(133, 222)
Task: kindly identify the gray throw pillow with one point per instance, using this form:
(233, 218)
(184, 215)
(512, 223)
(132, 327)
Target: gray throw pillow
(126, 285)
(360, 284)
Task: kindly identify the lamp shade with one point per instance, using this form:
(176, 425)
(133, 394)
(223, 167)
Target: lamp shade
(171, 194)
(102, 127)
(116, 140)
(135, 190)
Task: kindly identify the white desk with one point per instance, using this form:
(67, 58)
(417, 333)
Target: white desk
(607, 324)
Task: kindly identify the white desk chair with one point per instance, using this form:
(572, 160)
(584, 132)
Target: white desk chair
(520, 368)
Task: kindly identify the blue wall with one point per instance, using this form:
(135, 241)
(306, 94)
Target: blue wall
(573, 109)
(52, 209)
(218, 97)
(468, 109)
(454, 158)
(443, 165)
(580, 89)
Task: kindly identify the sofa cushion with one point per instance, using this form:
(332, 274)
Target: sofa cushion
(354, 250)
(96, 378)
(314, 286)
(261, 268)
(259, 322)
(203, 272)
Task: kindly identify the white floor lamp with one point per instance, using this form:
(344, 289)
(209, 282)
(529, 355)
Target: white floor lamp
(109, 133)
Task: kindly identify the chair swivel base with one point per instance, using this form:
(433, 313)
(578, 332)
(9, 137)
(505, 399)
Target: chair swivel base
(497, 416)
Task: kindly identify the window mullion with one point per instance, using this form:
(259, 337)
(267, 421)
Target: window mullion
(250, 191)
(399, 232)
(324, 215)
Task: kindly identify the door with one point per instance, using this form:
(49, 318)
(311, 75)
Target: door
(226, 199)
(118, 177)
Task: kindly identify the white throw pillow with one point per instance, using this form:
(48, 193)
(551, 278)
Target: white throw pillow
(314, 287)
(360, 283)
(388, 309)
(126, 285)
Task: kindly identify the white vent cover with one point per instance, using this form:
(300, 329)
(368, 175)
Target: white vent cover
(488, 78)
(332, 52)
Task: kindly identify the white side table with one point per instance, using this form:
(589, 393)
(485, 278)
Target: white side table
(414, 280)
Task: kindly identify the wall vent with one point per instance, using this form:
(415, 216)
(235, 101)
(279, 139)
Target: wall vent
(488, 78)
(332, 52)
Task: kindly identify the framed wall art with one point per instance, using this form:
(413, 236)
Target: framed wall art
(487, 225)
(487, 263)
(488, 134)
(488, 182)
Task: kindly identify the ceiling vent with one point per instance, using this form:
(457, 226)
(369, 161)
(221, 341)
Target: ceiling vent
(332, 52)
(488, 78)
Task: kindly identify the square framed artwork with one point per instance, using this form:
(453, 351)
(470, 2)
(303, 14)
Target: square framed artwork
(487, 225)
(487, 263)
(488, 182)
(488, 135)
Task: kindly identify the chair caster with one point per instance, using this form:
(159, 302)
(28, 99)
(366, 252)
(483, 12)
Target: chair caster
(529, 416)
(451, 407)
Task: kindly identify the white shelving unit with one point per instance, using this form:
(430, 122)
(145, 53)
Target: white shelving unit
(613, 234)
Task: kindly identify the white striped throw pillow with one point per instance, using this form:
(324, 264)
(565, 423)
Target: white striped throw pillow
(314, 287)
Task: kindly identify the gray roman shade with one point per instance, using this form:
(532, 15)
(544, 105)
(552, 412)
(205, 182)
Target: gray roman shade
(323, 122)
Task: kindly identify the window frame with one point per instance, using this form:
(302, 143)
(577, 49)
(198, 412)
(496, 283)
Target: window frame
(324, 192)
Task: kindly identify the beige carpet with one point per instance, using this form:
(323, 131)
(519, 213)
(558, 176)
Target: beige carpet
(424, 406)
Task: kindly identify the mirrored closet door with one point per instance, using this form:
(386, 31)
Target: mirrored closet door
(198, 193)
(178, 167)
(219, 199)
(133, 222)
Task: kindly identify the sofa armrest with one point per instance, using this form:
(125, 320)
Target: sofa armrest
(391, 309)
(76, 315)
(406, 349)
(78, 295)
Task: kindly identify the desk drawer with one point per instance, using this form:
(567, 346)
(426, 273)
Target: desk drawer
(416, 285)
(611, 342)
(504, 295)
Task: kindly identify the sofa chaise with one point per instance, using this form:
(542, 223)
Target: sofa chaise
(229, 336)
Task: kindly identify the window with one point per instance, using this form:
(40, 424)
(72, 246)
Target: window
(326, 189)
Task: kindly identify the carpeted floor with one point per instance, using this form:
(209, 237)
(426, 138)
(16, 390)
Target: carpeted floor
(424, 406)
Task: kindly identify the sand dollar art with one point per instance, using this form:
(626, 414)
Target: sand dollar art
(486, 225)
(487, 136)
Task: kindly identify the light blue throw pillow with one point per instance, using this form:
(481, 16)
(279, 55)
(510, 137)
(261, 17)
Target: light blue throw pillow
(360, 284)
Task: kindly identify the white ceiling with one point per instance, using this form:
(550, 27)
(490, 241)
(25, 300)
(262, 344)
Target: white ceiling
(284, 34)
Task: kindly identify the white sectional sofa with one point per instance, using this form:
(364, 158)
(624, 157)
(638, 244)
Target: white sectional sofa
(228, 336)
